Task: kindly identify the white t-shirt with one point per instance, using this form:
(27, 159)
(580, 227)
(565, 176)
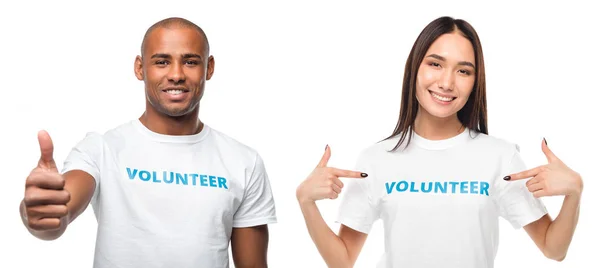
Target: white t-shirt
(171, 201)
(440, 201)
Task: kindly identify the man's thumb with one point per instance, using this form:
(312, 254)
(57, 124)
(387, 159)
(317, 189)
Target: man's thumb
(46, 150)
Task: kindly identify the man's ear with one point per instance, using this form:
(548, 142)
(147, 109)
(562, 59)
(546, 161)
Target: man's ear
(210, 69)
(138, 68)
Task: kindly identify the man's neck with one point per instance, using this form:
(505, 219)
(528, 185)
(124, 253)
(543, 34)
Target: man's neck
(188, 124)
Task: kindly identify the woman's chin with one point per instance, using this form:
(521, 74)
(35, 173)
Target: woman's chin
(440, 112)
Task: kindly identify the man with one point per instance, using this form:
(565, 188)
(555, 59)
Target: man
(167, 190)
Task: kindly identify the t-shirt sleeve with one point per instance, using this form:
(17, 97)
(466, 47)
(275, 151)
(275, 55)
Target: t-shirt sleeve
(515, 203)
(357, 209)
(258, 205)
(86, 156)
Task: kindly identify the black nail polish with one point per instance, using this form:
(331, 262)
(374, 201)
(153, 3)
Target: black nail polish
(507, 178)
(545, 141)
(326, 146)
(364, 175)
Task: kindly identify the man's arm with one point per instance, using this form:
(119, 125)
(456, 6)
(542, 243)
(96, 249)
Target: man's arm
(39, 209)
(249, 246)
(53, 200)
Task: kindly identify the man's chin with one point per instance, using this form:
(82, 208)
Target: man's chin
(176, 110)
(172, 109)
(177, 113)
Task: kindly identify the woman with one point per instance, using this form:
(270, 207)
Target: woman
(440, 182)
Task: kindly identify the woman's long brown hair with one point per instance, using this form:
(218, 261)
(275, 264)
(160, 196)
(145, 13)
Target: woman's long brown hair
(474, 114)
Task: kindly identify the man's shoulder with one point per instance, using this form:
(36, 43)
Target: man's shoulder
(114, 134)
(227, 143)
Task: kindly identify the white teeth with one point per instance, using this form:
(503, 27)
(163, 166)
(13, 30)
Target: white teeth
(175, 92)
(440, 97)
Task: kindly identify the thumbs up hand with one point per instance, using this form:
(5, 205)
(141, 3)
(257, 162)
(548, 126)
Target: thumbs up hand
(46, 149)
(552, 179)
(45, 199)
(324, 181)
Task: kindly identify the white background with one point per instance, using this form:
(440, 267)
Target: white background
(289, 79)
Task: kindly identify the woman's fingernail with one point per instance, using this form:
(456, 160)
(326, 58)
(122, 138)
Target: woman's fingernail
(364, 175)
(545, 141)
(326, 146)
(507, 178)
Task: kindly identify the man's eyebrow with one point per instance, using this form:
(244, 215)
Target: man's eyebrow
(167, 56)
(191, 55)
(160, 55)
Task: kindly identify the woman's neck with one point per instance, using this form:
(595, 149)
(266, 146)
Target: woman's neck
(436, 128)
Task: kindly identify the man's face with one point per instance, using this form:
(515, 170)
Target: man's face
(174, 67)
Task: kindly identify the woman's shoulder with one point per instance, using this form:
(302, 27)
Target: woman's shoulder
(493, 142)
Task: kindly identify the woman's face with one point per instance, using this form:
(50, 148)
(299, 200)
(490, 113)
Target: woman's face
(446, 76)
